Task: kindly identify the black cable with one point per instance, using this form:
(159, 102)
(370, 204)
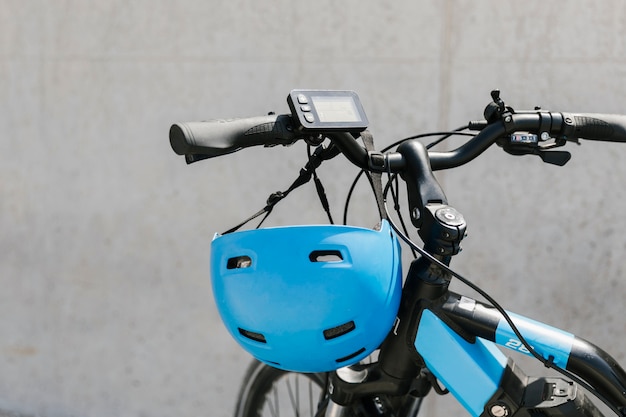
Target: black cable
(444, 136)
(455, 132)
(321, 193)
(396, 206)
(548, 363)
(350, 191)
(319, 187)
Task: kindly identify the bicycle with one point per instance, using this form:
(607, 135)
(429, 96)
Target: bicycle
(423, 337)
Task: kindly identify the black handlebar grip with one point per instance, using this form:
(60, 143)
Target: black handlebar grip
(604, 127)
(220, 137)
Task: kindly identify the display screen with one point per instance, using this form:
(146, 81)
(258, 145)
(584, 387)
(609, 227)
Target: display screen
(327, 111)
(336, 109)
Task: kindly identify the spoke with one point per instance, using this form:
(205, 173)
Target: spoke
(311, 397)
(292, 397)
(272, 405)
(291, 385)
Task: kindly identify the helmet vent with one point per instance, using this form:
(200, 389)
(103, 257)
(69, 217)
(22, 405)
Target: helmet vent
(325, 256)
(339, 330)
(239, 262)
(257, 337)
(353, 355)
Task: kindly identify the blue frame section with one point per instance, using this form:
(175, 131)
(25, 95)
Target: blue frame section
(470, 371)
(551, 343)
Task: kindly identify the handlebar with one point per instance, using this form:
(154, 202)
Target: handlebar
(220, 137)
(201, 140)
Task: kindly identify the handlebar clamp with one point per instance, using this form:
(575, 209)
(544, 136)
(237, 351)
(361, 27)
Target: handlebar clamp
(376, 161)
(444, 227)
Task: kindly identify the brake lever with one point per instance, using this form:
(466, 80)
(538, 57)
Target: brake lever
(558, 158)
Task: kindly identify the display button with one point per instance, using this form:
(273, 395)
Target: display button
(309, 117)
(302, 99)
(305, 107)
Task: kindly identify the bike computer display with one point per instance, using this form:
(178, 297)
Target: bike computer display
(327, 110)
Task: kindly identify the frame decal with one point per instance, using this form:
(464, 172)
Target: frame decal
(548, 341)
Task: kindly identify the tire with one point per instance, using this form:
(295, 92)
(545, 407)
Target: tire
(271, 392)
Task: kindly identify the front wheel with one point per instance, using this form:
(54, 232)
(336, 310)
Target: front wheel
(271, 392)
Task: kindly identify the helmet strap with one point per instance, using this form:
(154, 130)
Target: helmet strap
(321, 154)
(375, 178)
(307, 172)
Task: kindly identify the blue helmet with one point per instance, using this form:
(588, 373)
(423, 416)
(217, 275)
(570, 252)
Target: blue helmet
(308, 298)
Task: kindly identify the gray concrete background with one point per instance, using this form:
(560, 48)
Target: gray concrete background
(106, 307)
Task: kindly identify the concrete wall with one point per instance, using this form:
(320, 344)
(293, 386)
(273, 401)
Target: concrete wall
(106, 307)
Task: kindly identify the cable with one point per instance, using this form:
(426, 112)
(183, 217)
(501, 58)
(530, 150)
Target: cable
(396, 205)
(546, 362)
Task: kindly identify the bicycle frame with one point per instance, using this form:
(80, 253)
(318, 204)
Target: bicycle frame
(473, 369)
(455, 338)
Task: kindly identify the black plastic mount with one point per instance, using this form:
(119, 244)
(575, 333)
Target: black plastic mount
(376, 382)
(523, 396)
(443, 229)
